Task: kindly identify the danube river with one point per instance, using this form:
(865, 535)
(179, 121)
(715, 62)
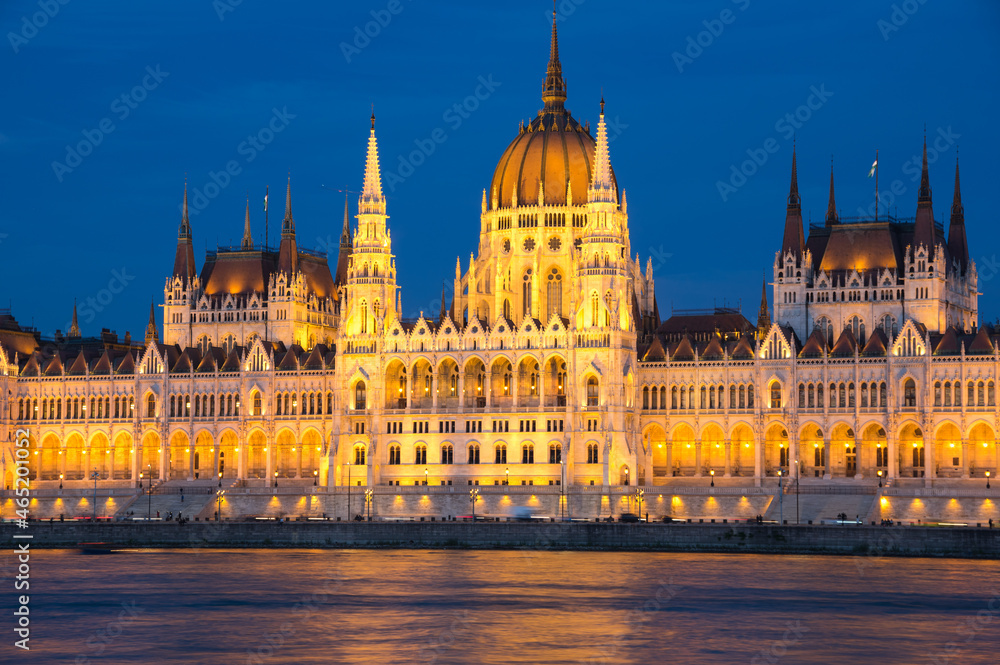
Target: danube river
(459, 606)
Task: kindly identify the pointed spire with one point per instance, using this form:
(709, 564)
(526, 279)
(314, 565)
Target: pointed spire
(346, 246)
(444, 308)
(74, 327)
(345, 232)
(247, 237)
(152, 334)
(958, 246)
(603, 188)
(288, 224)
(484, 201)
(925, 182)
(831, 207)
(458, 267)
(795, 238)
(184, 258)
(372, 201)
(554, 91)
(924, 232)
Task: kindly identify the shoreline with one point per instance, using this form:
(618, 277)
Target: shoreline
(862, 542)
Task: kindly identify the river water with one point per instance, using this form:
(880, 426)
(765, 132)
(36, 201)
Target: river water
(458, 606)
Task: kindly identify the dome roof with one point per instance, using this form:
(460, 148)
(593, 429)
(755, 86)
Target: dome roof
(552, 150)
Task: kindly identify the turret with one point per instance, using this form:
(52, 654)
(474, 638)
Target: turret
(795, 240)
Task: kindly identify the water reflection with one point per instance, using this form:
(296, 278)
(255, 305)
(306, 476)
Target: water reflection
(409, 606)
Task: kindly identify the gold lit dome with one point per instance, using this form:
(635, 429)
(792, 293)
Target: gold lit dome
(552, 150)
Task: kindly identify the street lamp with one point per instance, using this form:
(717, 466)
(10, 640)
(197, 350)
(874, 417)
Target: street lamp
(369, 496)
(94, 475)
(275, 478)
(218, 513)
(149, 496)
(425, 476)
(473, 495)
(781, 501)
(712, 473)
(315, 477)
(506, 478)
(220, 479)
(987, 480)
(60, 480)
(348, 490)
(562, 485)
(879, 474)
(639, 493)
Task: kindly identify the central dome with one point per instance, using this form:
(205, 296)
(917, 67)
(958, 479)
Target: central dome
(553, 151)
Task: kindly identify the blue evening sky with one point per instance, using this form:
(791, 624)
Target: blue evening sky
(108, 222)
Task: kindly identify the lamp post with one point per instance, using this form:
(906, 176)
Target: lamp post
(275, 479)
(220, 480)
(712, 474)
(639, 493)
(218, 512)
(149, 495)
(94, 475)
(781, 504)
(315, 477)
(473, 495)
(798, 472)
(61, 479)
(879, 474)
(348, 490)
(506, 476)
(562, 487)
(987, 480)
(425, 476)
(369, 497)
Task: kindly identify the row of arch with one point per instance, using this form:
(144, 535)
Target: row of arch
(979, 393)
(75, 408)
(708, 397)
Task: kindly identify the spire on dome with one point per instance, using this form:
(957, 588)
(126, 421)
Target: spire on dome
(795, 237)
(925, 183)
(831, 208)
(288, 224)
(74, 327)
(152, 334)
(958, 246)
(372, 201)
(554, 91)
(602, 185)
(247, 238)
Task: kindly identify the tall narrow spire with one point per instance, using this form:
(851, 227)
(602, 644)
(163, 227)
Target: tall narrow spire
(344, 258)
(184, 267)
(372, 201)
(247, 237)
(924, 232)
(795, 237)
(764, 314)
(288, 250)
(345, 232)
(831, 207)
(554, 90)
(74, 327)
(603, 188)
(152, 334)
(958, 246)
(288, 224)
(444, 307)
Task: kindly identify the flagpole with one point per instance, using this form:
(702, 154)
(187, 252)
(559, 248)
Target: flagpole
(267, 190)
(876, 184)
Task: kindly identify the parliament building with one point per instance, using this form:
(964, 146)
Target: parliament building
(550, 365)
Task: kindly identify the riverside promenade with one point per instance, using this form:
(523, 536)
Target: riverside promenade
(864, 542)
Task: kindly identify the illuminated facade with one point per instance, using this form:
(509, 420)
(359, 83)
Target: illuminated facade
(551, 365)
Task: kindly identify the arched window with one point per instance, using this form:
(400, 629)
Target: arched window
(663, 397)
(937, 393)
(420, 454)
(750, 396)
(909, 393)
(447, 454)
(673, 397)
(257, 407)
(501, 454)
(595, 309)
(555, 453)
(473, 453)
(592, 391)
(360, 396)
(204, 343)
(775, 395)
(645, 398)
(527, 454)
(592, 457)
(825, 326)
(526, 292)
(553, 294)
(151, 406)
(394, 455)
(359, 454)
(802, 395)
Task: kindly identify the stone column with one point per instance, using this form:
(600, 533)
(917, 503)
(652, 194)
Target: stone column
(930, 469)
(241, 458)
(729, 458)
(826, 458)
(697, 458)
(758, 462)
(190, 454)
(269, 468)
(461, 391)
(965, 458)
(111, 463)
(164, 457)
(215, 462)
(434, 389)
(669, 447)
(892, 469)
(298, 461)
